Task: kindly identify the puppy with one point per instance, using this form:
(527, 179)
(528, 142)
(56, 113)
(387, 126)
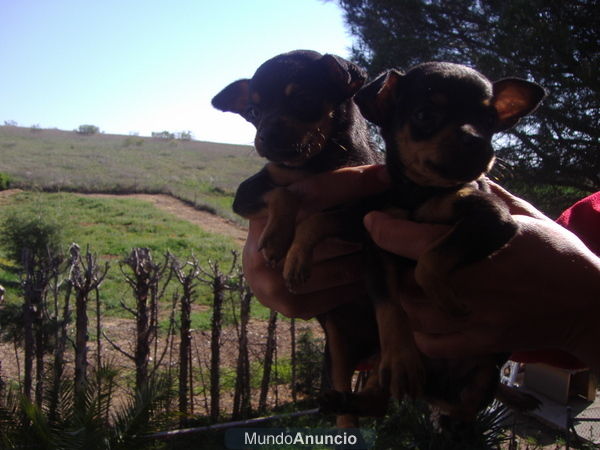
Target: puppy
(437, 121)
(306, 122)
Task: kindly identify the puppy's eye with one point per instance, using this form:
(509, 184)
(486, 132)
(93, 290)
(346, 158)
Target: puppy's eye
(252, 113)
(427, 119)
(423, 116)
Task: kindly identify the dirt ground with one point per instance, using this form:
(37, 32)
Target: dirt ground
(205, 220)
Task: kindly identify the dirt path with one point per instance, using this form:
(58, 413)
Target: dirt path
(205, 220)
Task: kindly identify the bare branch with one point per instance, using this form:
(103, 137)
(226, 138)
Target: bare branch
(117, 348)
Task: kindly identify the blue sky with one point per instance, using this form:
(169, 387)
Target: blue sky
(148, 65)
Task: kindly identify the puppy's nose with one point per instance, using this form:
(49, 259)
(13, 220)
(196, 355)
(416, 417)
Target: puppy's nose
(471, 139)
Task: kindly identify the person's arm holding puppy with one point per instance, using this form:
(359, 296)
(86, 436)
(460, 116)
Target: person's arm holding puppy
(542, 290)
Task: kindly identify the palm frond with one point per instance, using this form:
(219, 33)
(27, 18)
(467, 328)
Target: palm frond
(410, 426)
(36, 430)
(9, 416)
(138, 416)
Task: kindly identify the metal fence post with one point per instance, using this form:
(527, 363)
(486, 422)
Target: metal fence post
(568, 428)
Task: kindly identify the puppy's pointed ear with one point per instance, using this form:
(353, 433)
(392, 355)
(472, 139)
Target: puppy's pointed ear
(234, 98)
(346, 77)
(515, 98)
(377, 99)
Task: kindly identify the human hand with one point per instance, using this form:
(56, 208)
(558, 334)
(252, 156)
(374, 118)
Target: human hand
(541, 291)
(337, 270)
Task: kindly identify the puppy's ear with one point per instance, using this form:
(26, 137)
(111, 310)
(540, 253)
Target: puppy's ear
(234, 98)
(377, 99)
(346, 77)
(515, 98)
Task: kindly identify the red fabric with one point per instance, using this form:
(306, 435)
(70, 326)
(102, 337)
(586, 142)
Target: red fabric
(583, 220)
(556, 358)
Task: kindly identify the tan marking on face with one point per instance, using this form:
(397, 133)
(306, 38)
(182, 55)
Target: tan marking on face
(255, 97)
(415, 156)
(290, 89)
(313, 137)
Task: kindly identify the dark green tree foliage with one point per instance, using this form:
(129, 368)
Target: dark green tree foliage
(553, 43)
(34, 231)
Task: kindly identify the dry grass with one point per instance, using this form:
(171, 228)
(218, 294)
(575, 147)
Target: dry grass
(201, 173)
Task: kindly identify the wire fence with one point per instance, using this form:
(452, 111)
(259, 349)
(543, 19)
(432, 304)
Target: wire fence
(583, 437)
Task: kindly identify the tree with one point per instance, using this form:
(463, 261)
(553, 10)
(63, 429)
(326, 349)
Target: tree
(553, 43)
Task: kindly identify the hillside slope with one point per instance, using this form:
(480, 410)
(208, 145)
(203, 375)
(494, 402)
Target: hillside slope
(201, 173)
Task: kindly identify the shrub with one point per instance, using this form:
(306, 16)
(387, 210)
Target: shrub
(4, 181)
(35, 230)
(309, 363)
(87, 129)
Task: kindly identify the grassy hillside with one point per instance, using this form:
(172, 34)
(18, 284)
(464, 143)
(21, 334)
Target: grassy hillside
(202, 173)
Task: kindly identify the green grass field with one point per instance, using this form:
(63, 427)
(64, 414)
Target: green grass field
(111, 228)
(201, 173)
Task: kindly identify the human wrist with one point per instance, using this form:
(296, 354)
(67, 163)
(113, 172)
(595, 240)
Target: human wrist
(585, 343)
(585, 340)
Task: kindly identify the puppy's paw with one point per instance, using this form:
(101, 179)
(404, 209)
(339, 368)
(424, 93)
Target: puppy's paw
(437, 287)
(401, 373)
(296, 269)
(274, 244)
(334, 402)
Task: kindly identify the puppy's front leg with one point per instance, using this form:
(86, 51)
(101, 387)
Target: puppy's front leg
(401, 368)
(484, 225)
(341, 369)
(311, 232)
(371, 401)
(282, 209)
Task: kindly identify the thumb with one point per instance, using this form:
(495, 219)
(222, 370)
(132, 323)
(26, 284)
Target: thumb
(400, 236)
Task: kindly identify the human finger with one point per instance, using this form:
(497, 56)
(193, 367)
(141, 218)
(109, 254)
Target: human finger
(400, 236)
(333, 248)
(270, 289)
(334, 272)
(334, 281)
(341, 186)
(428, 318)
(267, 281)
(515, 204)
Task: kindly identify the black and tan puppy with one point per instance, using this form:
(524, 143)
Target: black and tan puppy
(437, 121)
(306, 122)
